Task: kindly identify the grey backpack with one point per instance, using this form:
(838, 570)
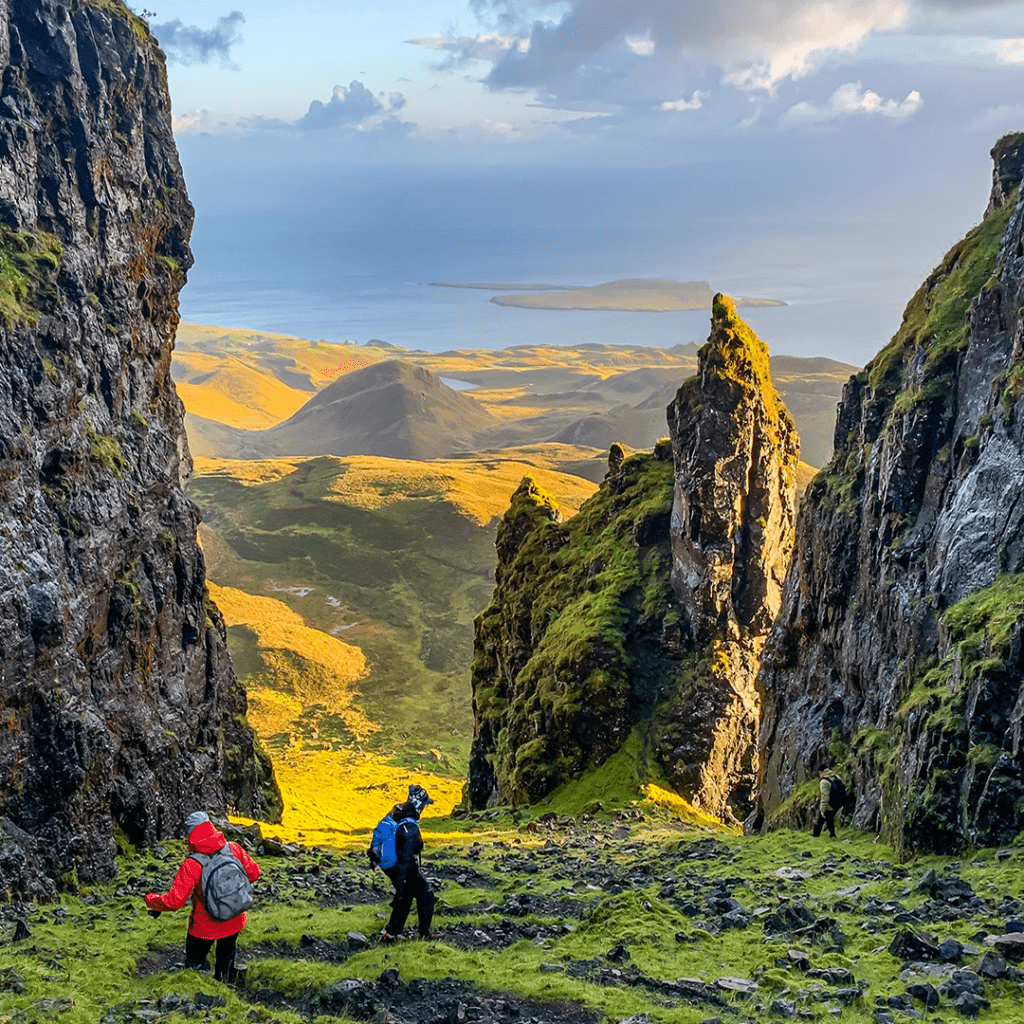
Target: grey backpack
(225, 887)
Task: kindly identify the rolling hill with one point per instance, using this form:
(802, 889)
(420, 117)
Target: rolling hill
(393, 408)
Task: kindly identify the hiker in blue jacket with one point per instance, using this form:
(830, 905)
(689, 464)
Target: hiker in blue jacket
(395, 849)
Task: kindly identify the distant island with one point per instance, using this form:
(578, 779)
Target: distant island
(502, 287)
(639, 294)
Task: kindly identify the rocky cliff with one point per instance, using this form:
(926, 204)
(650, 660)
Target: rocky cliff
(119, 712)
(897, 654)
(647, 609)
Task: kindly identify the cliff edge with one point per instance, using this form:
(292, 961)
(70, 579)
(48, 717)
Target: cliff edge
(119, 711)
(898, 651)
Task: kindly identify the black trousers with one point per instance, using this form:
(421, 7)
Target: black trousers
(415, 887)
(197, 950)
(828, 818)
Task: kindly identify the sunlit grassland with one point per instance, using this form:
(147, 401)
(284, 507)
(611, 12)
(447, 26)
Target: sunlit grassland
(89, 953)
(349, 587)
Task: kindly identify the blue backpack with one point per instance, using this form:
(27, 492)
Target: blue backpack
(383, 845)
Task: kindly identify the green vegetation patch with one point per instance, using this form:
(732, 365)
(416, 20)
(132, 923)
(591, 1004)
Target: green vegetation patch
(567, 653)
(28, 269)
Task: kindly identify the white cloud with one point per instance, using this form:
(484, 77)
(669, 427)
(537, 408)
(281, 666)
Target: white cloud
(756, 45)
(1009, 51)
(693, 103)
(851, 99)
(190, 123)
(642, 46)
(997, 120)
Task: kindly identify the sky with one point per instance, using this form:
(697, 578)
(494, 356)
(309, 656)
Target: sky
(826, 114)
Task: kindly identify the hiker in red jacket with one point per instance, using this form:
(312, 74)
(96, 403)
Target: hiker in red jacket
(203, 928)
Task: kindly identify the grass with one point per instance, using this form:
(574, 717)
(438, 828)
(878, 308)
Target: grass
(631, 876)
(28, 267)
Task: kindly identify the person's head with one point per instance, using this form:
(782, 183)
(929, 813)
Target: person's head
(419, 798)
(193, 821)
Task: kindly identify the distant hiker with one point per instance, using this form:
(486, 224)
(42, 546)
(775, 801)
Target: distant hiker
(217, 877)
(395, 849)
(833, 798)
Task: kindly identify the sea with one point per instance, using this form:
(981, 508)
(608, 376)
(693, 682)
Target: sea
(360, 262)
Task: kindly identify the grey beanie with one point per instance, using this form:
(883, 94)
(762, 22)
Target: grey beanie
(195, 818)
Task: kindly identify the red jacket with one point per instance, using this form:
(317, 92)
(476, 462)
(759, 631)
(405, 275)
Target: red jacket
(204, 838)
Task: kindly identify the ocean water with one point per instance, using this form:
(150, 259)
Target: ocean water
(358, 263)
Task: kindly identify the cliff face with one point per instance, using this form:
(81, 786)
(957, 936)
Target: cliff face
(734, 449)
(118, 706)
(897, 654)
(647, 609)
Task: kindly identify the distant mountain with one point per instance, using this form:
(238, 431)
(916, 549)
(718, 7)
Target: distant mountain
(393, 408)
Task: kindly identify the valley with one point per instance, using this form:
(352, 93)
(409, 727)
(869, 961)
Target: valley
(349, 583)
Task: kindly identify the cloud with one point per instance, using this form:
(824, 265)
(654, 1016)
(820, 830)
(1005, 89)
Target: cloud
(491, 47)
(347, 108)
(189, 44)
(999, 119)
(693, 103)
(190, 123)
(757, 45)
(850, 99)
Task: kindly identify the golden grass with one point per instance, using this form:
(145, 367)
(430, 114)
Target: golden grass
(684, 811)
(248, 473)
(240, 608)
(329, 794)
(804, 473)
(239, 395)
(479, 488)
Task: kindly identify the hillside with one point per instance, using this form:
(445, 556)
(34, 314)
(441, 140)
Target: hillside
(394, 409)
(389, 558)
(555, 918)
(236, 383)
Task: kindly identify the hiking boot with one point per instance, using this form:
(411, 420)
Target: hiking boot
(428, 936)
(387, 939)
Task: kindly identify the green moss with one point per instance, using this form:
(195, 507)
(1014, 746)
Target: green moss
(28, 266)
(106, 450)
(588, 592)
(122, 11)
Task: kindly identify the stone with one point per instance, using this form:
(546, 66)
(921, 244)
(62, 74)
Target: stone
(895, 526)
(991, 965)
(782, 1008)
(617, 954)
(207, 1001)
(910, 945)
(1010, 945)
(960, 982)
(951, 951)
(739, 986)
(356, 940)
(110, 636)
(923, 992)
(970, 1005)
(798, 958)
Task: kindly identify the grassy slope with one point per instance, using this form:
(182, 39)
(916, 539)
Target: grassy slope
(89, 952)
(395, 559)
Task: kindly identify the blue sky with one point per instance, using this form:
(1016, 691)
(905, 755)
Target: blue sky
(824, 116)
